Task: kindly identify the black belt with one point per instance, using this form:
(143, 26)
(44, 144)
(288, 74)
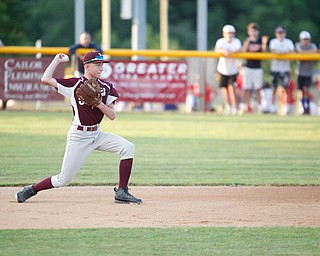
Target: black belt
(87, 128)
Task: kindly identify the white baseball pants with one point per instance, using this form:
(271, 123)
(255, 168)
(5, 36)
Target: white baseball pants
(79, 146)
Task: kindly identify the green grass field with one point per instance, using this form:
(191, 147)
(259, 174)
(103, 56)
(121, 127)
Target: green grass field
(171, 149)
(162, 241)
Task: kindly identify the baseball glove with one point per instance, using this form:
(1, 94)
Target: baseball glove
(90, 92)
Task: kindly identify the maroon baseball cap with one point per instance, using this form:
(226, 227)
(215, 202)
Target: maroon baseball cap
(96, 57)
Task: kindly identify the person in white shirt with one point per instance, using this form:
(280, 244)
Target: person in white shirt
(227, 67)
(280, 69)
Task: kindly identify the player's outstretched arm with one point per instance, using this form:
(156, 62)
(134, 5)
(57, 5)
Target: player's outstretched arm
(47, 77)
(108, 111)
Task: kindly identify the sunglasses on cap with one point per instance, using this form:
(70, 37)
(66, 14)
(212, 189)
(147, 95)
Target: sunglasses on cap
(97, 58)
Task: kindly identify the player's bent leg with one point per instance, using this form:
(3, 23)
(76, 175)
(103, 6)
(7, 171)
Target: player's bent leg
(115, 144)
(118, 145)
(61, 180)
(127, 150)
(68, 171)
(75, 155)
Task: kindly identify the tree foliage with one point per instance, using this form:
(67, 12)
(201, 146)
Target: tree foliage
(11, 18)
(23, 22)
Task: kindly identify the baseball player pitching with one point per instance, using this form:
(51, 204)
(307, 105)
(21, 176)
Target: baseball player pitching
(91, 99)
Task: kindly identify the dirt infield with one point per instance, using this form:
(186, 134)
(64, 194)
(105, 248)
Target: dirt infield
(93, 207)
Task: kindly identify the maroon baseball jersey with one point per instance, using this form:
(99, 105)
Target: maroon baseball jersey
(82, 113)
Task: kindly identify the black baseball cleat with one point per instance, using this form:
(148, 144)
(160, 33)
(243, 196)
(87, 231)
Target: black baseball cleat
(25, 194)
(123, 196)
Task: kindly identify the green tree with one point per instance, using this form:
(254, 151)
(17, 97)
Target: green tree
(11, 18)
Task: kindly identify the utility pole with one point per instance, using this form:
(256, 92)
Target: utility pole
(202, 34)
(79, 19)
(138, 29)
(164, 31)
(106, 24)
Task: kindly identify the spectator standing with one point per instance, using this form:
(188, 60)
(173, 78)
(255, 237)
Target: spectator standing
(305, 69)
(77, 60)
(253, 72)
(280, 69)
(227, 67)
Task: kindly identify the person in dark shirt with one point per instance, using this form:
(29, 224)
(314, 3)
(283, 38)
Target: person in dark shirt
(253, 72)
(77, 59)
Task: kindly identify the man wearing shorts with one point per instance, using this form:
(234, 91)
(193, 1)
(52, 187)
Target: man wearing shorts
(227, 67)
(253, 72)
(280, 69)
(305, 69)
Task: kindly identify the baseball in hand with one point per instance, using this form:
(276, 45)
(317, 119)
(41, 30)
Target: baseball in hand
(64, 57)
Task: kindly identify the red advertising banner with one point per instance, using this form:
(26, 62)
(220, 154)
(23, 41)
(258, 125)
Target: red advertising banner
(20, 79)
(148, 81)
